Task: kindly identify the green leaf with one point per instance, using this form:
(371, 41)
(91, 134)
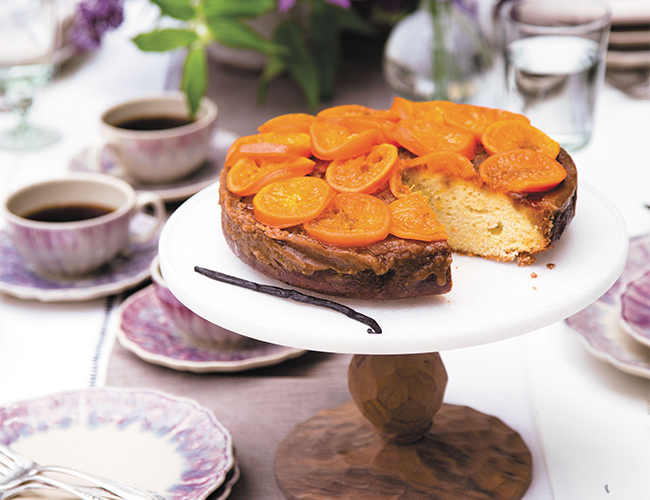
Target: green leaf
(275, 66)
(178, 9)
(324, 36)
(350, 20)
(299, 62)
(237, 8)
(195, 78)
(163, 40)
(237, 34)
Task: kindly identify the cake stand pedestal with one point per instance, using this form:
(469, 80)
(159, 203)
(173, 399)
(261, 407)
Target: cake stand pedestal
(399, 440)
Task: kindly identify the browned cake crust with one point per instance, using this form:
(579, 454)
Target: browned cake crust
(556, 208)
(390, 269)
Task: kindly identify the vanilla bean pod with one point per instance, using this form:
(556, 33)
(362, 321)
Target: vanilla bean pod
(291, 294)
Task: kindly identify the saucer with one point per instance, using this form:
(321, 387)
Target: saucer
(151, 439)
(207, 174)
(223, 491)
(19, 279)
(635, 308)
(143, 329)
(599, 323)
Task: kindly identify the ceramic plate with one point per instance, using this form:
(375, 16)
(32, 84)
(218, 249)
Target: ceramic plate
(208, 173)
(17, 277)
(151, 439)
(143, 328)
(631, 59)
(635, 307)
(632, 39)
(490, 300)
(599, 324)
(629, 12)
(223, 491)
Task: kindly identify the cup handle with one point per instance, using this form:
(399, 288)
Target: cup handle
(144, 200)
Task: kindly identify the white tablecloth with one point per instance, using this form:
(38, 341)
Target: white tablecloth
(586, 423)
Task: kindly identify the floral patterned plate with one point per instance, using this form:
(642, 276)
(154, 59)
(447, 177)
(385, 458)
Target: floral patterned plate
(599, 324)
(142, 327)
(208, 173)
(635, 308)
(18, 278)
(223, 491)
(148, 438)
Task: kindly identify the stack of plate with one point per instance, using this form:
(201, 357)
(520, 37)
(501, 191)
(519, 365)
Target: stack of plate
(628, 54)
(151, 439)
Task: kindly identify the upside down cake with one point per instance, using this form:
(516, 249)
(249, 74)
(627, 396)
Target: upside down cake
(366, 203)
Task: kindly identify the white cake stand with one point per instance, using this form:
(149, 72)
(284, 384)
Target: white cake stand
(386, 443)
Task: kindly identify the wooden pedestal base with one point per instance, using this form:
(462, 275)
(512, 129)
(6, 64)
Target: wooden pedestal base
(338, 454)
(399, 441)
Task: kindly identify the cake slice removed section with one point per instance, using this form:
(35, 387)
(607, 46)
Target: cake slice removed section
(496, 225)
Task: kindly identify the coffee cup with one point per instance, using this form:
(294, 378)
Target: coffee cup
(153, 139)
(190, 325)
(71, 226)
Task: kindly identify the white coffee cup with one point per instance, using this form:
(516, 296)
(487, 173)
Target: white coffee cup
(77, 247)
(162, 155)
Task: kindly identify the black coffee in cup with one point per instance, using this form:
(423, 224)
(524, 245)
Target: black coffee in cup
(67, 213)
(153, 123)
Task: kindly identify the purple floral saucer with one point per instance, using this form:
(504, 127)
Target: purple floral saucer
(599, 324)
(635, 308)
(143, 328)
(223, 491)
(160, 442)
(208, 173)
(18, 278)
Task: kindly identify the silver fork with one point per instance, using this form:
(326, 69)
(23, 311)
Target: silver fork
(16, 462)
(23, 487)
(14, 480)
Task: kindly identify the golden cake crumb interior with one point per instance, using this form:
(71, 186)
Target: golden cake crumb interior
(478, 222)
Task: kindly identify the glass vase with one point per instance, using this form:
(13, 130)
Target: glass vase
(438, 52)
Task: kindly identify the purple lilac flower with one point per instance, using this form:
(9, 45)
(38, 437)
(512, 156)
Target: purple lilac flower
(285, 5)
(470, 7)
(92, 20)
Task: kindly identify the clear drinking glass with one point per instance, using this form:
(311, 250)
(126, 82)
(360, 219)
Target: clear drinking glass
(554, 60)
(28, 38)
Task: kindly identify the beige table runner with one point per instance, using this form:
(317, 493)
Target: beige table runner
(259, 407)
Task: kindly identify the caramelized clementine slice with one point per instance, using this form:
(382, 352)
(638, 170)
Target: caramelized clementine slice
(477, 118)
(359, 123)
(269, 145)
(412, 218)
(429, 110)
(292, 122)
(355, 110)
(351, 220)
(330, 141)
(421, 137)
(445, 162)
(248, 175)
(506, 135)
(396, 183)
(357, 118)
(521, 171)
(365, 173)
(290, 202)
